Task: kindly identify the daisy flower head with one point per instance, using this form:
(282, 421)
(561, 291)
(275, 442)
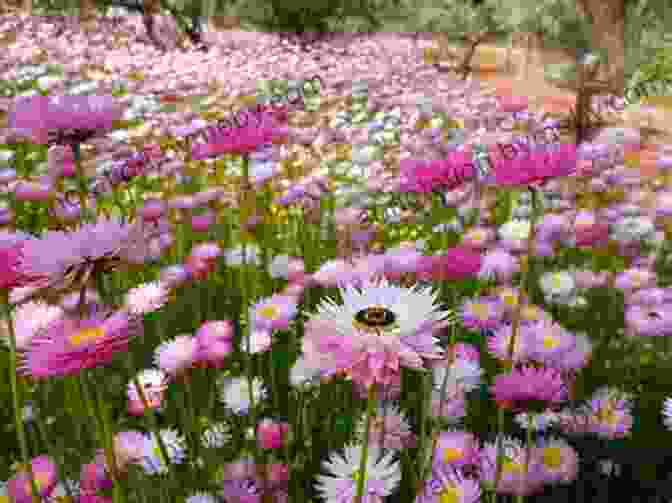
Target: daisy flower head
(514, 235)
(146, 298)
(549, 341)
(19, 487)
(539, 422)
(558, 286)
(177, 355)
(461, 372)
(274, 312)
(377, 329)
(667, 413)
(455, 449)
(340, 485)
(128, 447)
(610, 413)
(214, 341)
(390, 429)
(29, 319)
(482, 312)
(216, 436)
(531, 314)
(234, 393)
(514, 480)
(500, 265)
(450, 487)
(558, 460)
(68, 345)
(648, 321)
(153, 461)
(451, 405)
(499, 344)
(241, 490)
(301, 374)
(62, 259)
(153, 383)
(201, 497)
(243, 254)
(529, 388)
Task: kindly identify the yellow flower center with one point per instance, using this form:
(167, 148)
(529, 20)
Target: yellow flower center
(637, 279)
(450, 495)
(86, 335)
(509, 298)
(550, 342)
(529, 313)
(552, 457)
(480, 311)
(510, 466)
(451, 454)
(606, 414)
(556, 281)
(269, 312)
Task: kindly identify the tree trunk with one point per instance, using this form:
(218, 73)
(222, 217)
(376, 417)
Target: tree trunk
(608, 34)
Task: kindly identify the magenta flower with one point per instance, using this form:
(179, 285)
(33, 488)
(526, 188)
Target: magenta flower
(529, 388)
(19, 487)
(10, 272)
(63, 119)
(453, 265)
(444, 174)
(271, 434)
(241, 140)
(537, 167)
(69, 345)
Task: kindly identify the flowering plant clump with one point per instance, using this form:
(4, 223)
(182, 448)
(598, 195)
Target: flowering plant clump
(357, 302)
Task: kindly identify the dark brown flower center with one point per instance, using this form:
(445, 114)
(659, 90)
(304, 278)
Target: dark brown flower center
(376, 317)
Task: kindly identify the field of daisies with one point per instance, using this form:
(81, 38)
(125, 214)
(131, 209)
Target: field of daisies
(242, 275)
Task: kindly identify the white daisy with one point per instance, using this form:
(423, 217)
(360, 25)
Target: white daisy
(515, 230)
(147, 298)
(201, 497)
(153, 461)
(235, 393)
(242, 253)
(216, 436)
(540, 422)
(464, 372)
(30, 318)
(279, 267)
(380, 308)
(382, 477)
(667, 413)
(301, 374)
(558, 286)
(151, 381)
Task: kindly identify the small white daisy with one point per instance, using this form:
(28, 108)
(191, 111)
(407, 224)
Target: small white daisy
(382, 476)
(558, 286)
(667, 413)
(540, 422)
(242, 253)
(147, 298)
(279, 266)
(151, 381)
(515, 230)
(235, 393)
(153, 461)
(216, 436)
(201, 497)
(301, 375)
(462, 372)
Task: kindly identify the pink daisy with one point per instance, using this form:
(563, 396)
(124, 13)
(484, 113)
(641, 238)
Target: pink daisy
(69, 345)
(19, 487)
(529, 388)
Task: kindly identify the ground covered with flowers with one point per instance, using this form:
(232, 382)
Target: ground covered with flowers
(224, 281)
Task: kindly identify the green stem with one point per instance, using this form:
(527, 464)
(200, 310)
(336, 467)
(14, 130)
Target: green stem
(514, 330)
(528, 450)
(16, 399)
(361, 474)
